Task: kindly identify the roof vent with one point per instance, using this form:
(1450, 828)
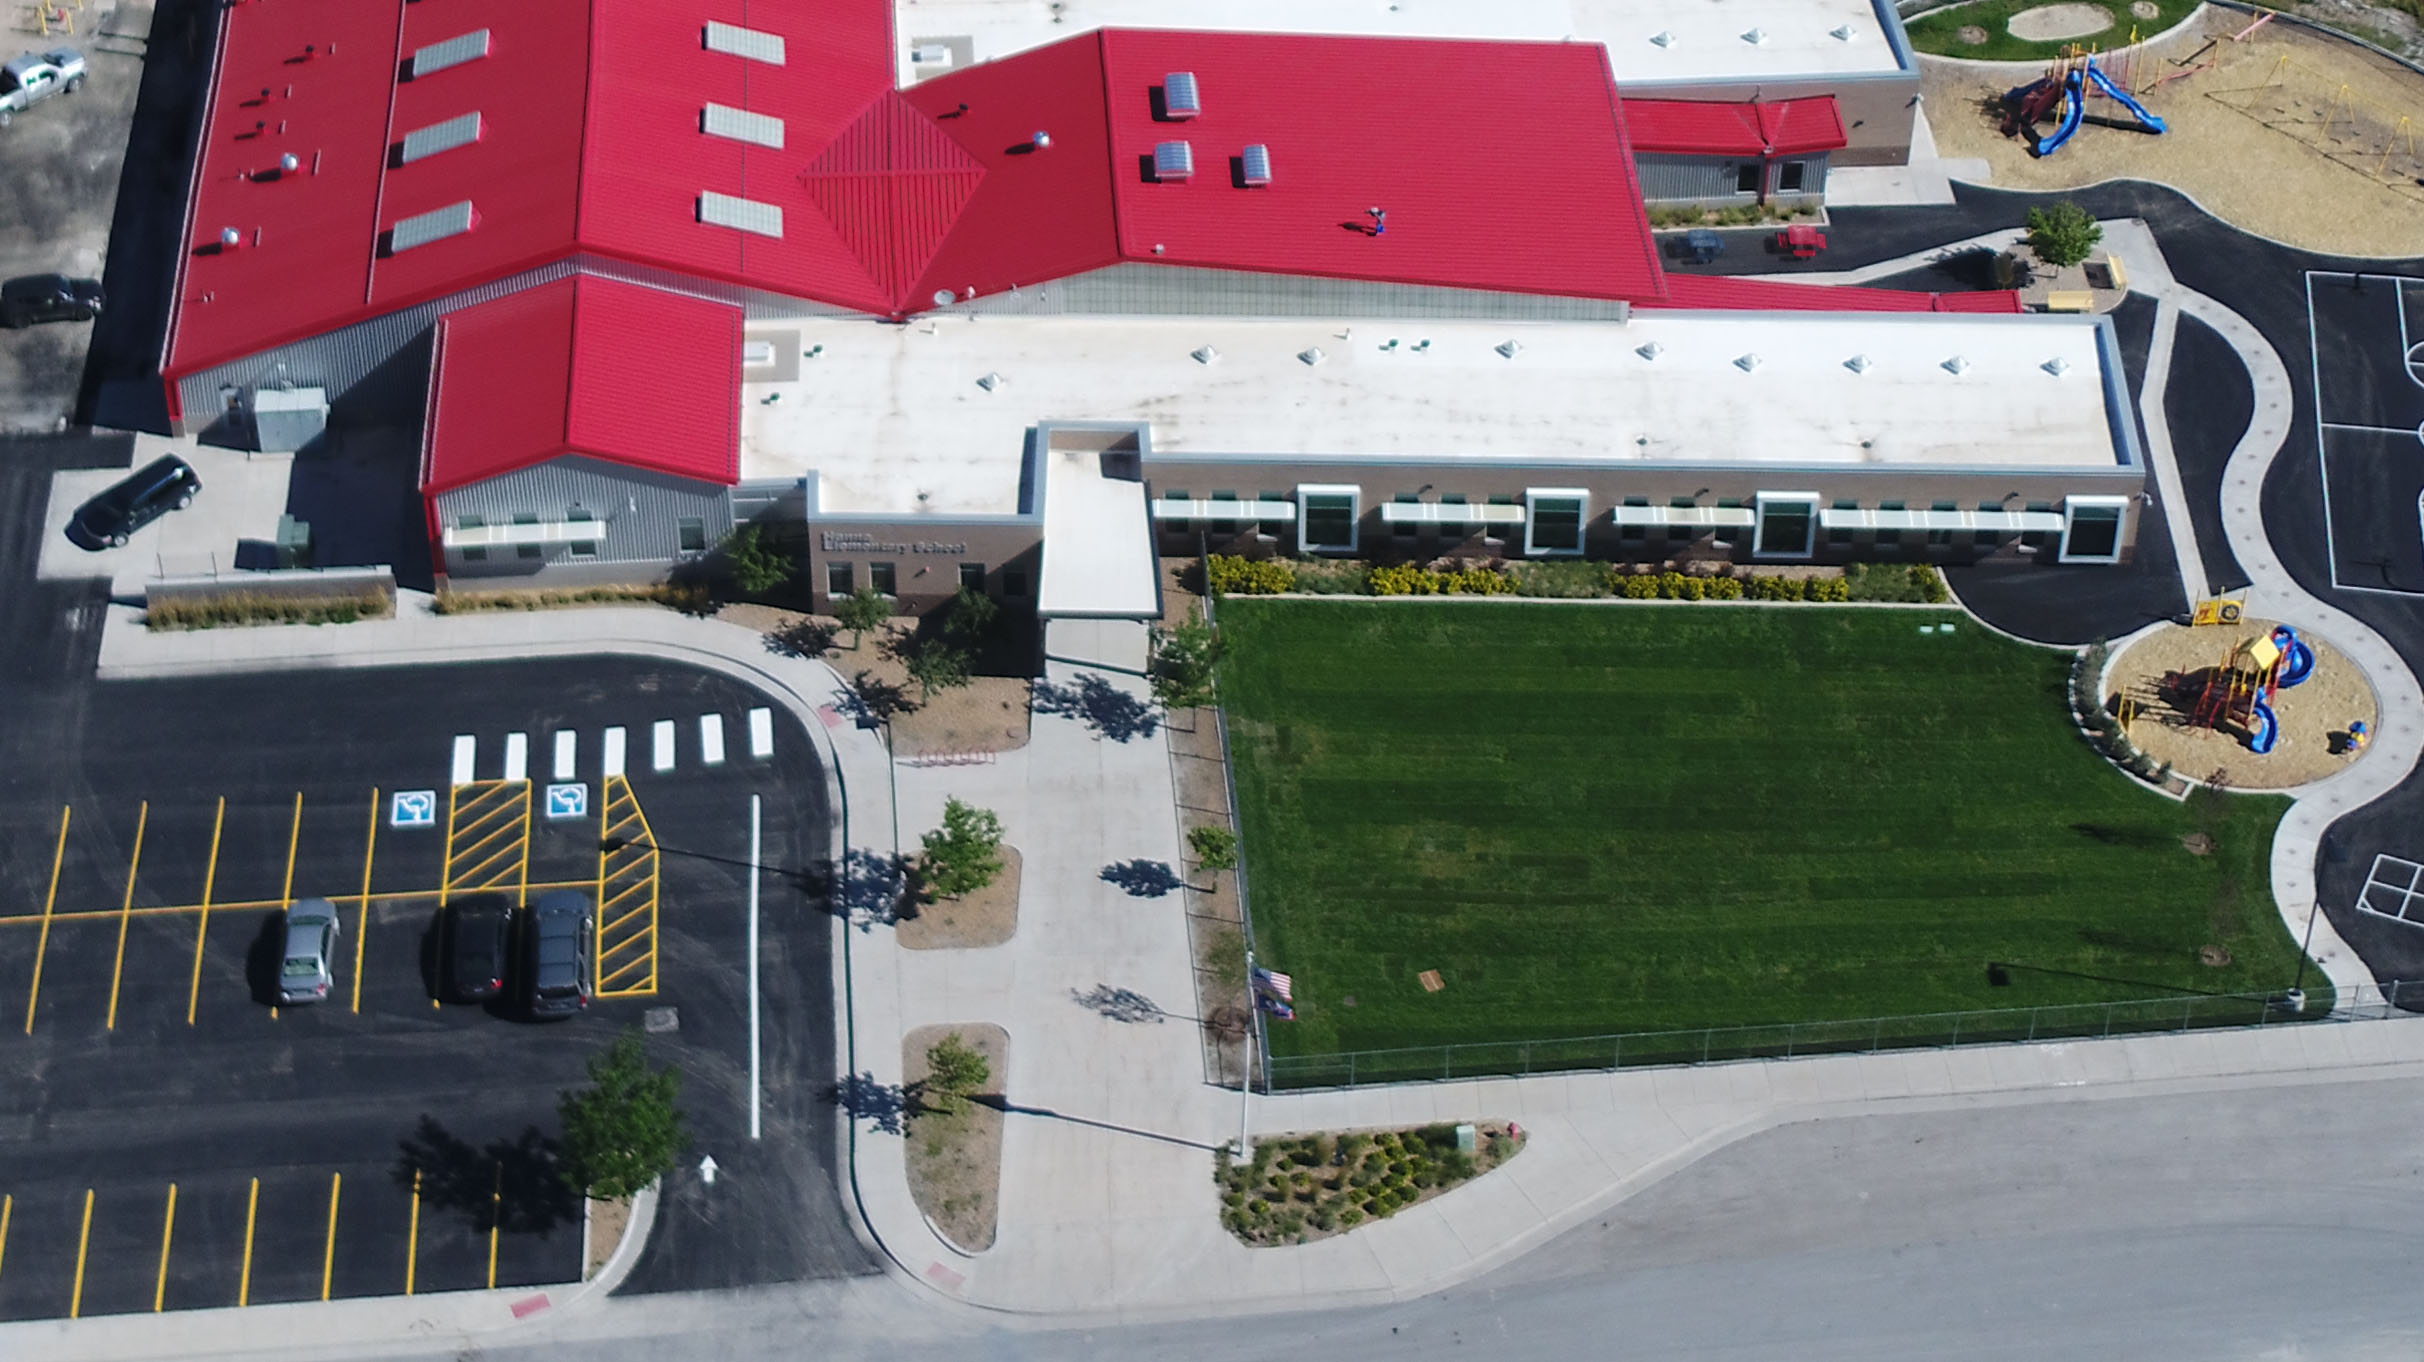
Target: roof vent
(453, 52)
(1509, 348)
(437, 137)
(1650, 351)
(1747, 362)
(746, 215)
(2057, 366)
(1755, 37)
(1180, 99)
(736, 41)
(1173, 161)
(289, 163)
(1663, 38)
(1858, 364)
(944, 297)
(1204, 354)
(1257, 169)
(1843, 34)
(1039, 139)
(437, 225)
(741, 125)
(230, 238)
(990, 381)
(1311, 355)
(1957, 364)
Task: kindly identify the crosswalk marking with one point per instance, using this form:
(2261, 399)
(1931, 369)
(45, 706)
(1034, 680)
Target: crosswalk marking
(614, 746)
(517, 756)
(567, 750)
(466, 754)
(761, 733)
(711, 739)
(614, 751)
(661, 744)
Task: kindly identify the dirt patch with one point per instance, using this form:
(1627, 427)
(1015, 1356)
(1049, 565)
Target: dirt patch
(1972, 35)
(989, 714)
(1199, 777)
(955, 1157)
(2052, 23)
(607, 1222)
(987, 917)
(2290, 134)
(2315, 715)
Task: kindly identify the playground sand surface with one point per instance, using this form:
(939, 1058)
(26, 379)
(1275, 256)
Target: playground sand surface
(2268, 146)
(2323, 704)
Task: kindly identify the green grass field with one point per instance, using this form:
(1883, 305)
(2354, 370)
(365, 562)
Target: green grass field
(1938, 32)
(1597, 819)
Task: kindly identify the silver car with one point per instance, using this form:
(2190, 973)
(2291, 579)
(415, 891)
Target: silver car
(311, 941)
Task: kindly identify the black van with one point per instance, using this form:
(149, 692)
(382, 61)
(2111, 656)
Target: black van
(555, 954)
(163, 485)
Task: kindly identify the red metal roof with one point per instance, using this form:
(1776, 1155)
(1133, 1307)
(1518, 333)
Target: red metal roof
(1776, 127)
(586, 365)
(1725, 292)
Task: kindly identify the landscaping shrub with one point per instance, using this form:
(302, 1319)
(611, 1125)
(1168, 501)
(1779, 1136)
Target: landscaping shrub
(1227, 575)
(1277, 1197)
(690, 599)
(1325, 578)
(1913, 582)
(240, 608)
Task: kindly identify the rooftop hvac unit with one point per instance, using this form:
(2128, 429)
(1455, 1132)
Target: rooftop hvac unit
(1173, 161)
(1258, 166)
(1180, 99)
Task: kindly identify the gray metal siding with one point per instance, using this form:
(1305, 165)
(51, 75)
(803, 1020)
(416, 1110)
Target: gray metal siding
(1671, 178)
(641, 511)
(1178, 290)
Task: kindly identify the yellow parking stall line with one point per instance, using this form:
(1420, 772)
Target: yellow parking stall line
(252, 1211)
(294, 840)
(496, 1216)
(168, 1231)
(522, 873)
(126, 912)
(7, 1205)
(210, 881)
(328, 1256)
(84, 1241)
(42, 947)
(370, 850)
(412, 1240)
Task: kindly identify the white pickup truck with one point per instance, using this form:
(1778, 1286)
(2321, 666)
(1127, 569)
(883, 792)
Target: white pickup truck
(36, 76)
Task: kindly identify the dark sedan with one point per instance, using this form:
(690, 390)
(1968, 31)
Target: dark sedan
(48, 298)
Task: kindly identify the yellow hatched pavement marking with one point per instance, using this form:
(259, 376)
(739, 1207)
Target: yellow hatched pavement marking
(626, 955)
(487, 837)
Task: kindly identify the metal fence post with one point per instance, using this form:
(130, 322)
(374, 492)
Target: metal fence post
(1956, 1040)
(1876, 1033)
(1616, 1056)
(1527, 1058)
(2032, 1023)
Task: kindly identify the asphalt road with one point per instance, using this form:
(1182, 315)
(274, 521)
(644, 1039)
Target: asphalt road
(2271, 1222)
(112, 1088)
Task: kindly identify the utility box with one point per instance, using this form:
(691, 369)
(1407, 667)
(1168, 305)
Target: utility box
(1468, 1140)
(294, 542)
(286, 419)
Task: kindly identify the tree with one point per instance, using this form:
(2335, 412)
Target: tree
(970, 617)
(965, 853)
(1215, 847)
(623, 1132)
(757, 567)
(955, 1071)
(2062, 235)
(860, 611)
(1185, 657)
(937, 665)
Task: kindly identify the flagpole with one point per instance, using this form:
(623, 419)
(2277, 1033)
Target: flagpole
(1245, 1069)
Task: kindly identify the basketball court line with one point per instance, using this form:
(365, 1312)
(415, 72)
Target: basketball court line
(2314, 351)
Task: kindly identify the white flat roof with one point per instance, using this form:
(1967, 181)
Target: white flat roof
(1098, 545)
(896, 420)
(1707, 39)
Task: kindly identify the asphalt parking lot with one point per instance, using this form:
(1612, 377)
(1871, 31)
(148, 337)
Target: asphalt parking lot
(375, 1143)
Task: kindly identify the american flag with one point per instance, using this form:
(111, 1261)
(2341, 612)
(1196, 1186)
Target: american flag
(1276, 984)
(1278, 1009)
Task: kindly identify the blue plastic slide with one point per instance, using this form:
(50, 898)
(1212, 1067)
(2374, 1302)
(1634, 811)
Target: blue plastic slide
(2297, 660)
(2121, 97)
(2266, 730)
(2074, 108)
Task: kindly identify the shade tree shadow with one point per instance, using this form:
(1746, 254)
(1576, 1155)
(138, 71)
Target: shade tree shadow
(867, 888)
(1143, 879)
(1103, 708)
(888, 1106)
(515, 1185)
(870, 701)
(1119, 1004)
(805, 639)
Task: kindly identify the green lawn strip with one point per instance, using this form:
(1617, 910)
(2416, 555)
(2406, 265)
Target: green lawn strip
(1604, 819)
(1938, 33)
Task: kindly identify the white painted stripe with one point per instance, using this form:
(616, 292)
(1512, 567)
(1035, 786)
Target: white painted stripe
(567, 756)
(614, 752)
(761, 733)
(466, 752)
(517, 756)
(711, 739)
(661, 744)
(757, 1087)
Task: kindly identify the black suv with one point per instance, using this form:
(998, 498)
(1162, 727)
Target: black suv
(48, 298)
(474, 939)
(165, 484)
(555, 954)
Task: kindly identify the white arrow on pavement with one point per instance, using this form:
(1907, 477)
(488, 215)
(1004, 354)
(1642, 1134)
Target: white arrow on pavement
(707, 1167)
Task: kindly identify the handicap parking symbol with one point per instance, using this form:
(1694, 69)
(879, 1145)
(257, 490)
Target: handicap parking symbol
(413, 809)
(568, 801)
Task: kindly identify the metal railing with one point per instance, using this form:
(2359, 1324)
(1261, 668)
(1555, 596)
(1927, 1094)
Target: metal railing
(1785, 1040)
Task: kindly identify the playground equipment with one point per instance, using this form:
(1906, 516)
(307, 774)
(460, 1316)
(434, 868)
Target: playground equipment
(2062, 94)
(2219, 610)
(2237, 693)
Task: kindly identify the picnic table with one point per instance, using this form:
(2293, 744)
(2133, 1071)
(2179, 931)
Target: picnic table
(1801, 241)
(1700, 245)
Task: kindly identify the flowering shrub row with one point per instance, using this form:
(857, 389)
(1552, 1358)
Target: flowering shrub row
(1230, 576)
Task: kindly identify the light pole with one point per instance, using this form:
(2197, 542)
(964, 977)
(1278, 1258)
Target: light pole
(1245, 1068)
(2296, 997)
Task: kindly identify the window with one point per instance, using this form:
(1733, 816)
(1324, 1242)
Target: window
(527, 551)
(1272, 527)
(1677, 531)
(1987, 540)
(1453, 531)
(1404, 529)
(1553, 523)
(690, 534)
(880, 576)
(1790, 176)
(1633, 533)
(1788, 524)
(1729, 535)
(1842, 534)
(2091, 529)
(840, 579)
(1014, 582)
(1178, 523)
(2035, 539)
(1490, 535)
(474, 554)
(1940, 538)
(972, 577)
(1326, 518)
(1228, 524)
(583, 548)
(1747, 177)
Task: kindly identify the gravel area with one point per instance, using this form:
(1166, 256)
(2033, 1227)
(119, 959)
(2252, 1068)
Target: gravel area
(987, 917)
(955, 1157)
(2267, 144)
(2311, 713)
